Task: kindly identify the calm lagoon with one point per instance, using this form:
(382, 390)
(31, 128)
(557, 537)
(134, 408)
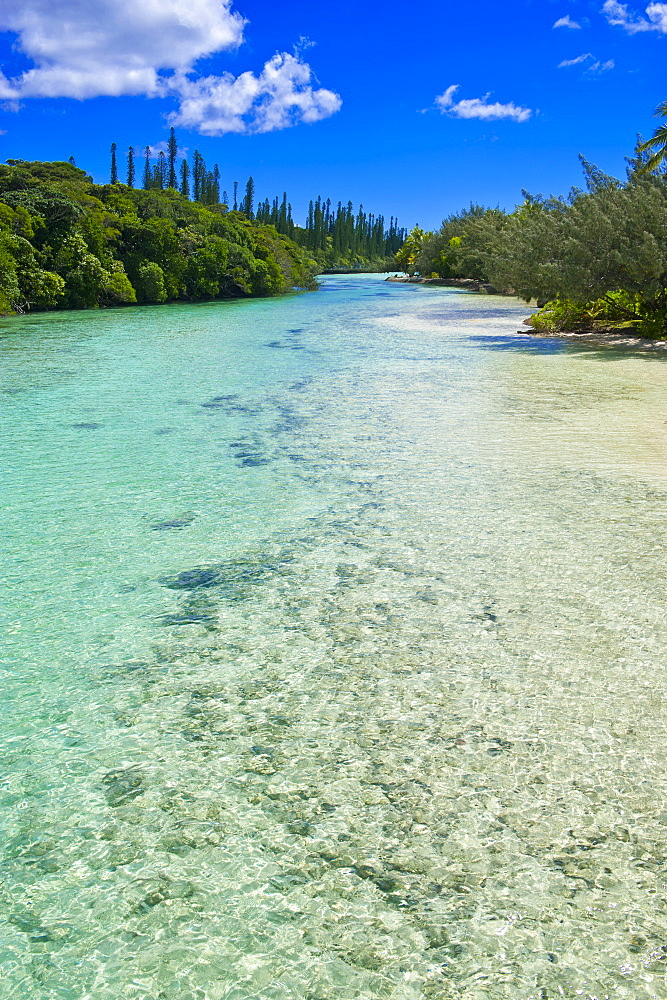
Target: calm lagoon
(334, 639)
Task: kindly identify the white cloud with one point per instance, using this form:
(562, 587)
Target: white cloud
(618, 14)
(93, 48)
(160, 147)
(566, 22)
(595, 67)
(576, 60)
(478, 107)
(282, 95)
(601, 67)
(113, 47)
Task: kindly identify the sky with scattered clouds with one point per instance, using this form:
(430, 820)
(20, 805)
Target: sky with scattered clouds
(411, 111)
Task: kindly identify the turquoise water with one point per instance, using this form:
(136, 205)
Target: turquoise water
(334, 632)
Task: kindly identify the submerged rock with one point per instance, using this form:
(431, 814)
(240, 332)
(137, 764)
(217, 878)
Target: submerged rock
(122, 785)
(176, 522)
(187, 618)
(193, 579)
(234, 578)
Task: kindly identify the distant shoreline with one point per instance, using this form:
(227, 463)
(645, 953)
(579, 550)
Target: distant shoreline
(469, 284)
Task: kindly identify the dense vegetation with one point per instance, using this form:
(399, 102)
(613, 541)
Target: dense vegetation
(68, 243)
(597, 258)
(335, 238)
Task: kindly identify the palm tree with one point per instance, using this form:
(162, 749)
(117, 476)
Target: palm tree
(657, 144)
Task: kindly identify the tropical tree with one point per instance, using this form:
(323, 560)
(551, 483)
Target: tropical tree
(656, 146)
(407, 255)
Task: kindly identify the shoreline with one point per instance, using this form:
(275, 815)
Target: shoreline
(596, 338)
(470, 284)
(600, 338)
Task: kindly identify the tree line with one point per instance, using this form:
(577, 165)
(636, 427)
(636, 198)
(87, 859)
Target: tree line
(66, 242)
(334, 237)
(596, 258)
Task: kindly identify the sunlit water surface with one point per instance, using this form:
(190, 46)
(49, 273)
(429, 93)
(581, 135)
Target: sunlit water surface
(333, 665)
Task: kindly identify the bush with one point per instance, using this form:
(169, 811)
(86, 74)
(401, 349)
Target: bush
(150, 283)
(562, 315)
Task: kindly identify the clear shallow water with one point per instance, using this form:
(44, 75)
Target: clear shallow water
(334, 632)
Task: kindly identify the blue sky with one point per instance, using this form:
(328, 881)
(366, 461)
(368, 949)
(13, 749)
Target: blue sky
(410, 110)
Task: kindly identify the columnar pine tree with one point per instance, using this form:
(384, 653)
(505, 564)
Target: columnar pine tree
(215, 185)
(198, 175)
(172, 152)
(236, 190)
(72, 161)
(130, 167)
(162, 170)
(148, 177)
(185, 179)
(114, 168)
(248, 203)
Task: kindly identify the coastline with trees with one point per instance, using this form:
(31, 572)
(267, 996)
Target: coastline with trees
(594, 261)
(69, 243)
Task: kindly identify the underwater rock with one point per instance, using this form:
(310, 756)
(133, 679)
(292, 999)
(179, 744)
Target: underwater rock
(122, 785)
(193, 579)
(187, 618)
(29, 924)
(90, 425)
(233, 579)
(176, 522)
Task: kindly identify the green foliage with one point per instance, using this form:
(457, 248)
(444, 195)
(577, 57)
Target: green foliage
(84, 275)
(438, 252)
(655, 148)
(150, 283)
(562, 314)
(68, 243)
(24, 284)
(406, 257)
(338, 237)
(117, 290)
(597, 257)
(614, 311)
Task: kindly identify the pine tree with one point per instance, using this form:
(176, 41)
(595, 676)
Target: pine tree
(72, 161)
(215, 185)
(248, 203)
(148, 177)
(282, 215)
(236, 191)
(185, 179)
(114, 168)
(198, 176)
(162, 170)
(130, 167)
(172, 148)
